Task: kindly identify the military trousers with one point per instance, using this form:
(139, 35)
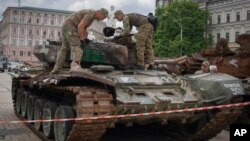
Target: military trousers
(70, 41)
(144, 48)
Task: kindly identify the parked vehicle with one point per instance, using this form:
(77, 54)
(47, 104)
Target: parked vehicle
(12, 66)
(1, 67)
(22, 68)
(4, 61)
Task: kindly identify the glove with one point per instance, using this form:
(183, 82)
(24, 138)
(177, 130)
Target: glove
(87, 41)
(117, 34)
(133, 39)
(111, 37)
(82, 44)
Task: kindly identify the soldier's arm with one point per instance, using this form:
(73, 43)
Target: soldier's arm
(83, 25)
(82, 29)
(126, 26)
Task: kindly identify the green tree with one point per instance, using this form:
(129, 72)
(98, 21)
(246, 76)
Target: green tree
(181, 29)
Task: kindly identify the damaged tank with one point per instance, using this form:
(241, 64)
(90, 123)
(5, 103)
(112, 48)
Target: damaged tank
(235, 63)
(108, 87)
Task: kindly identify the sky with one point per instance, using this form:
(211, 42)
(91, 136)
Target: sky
(128, 6)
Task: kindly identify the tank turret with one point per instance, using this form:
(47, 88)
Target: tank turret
(94, 53)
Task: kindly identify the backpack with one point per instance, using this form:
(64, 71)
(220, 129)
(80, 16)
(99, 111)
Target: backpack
(153, 20)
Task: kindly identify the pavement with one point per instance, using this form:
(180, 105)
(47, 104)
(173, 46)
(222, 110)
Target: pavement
(11, 132)
(19, 132)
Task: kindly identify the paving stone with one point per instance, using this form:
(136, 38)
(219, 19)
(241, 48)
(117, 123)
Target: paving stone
(11, 132)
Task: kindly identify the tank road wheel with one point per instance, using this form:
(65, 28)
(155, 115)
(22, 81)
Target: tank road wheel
(189, 130)
(62, 129)
(14, 89)
(19, 100)
(49, 111)
(183, 132)
(38, 113)
(24, 103)
(30, 107)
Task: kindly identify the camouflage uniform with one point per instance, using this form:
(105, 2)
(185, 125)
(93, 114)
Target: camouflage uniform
(143, 37)
(71, 38)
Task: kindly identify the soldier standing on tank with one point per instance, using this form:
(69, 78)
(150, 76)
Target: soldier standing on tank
(74, 33)
(143, 37)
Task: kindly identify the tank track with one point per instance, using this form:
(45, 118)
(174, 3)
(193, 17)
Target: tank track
(90, 102)
(218, 122)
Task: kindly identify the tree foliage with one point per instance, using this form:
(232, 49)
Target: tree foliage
(185, 14)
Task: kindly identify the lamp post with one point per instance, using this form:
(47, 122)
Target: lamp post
(179, 24)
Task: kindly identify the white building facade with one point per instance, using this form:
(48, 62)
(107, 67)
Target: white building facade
(228, 19)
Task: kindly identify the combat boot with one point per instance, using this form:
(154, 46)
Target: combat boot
(151, 67)
(139, 67)
(75, 67)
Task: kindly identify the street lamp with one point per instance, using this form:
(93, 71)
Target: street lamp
(178, 23)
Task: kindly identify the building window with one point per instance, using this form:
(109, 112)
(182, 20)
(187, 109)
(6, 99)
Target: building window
(21, 42)
(29, 53)
(210, 20)
(52, 21)
(29, 42)
(38, 21)
(14, 30)
(218, 36)
(227, 36)
(13, 42)
(248, 32)
(21, 53)
(13, 52)
(37, 42)
(14, 18)
(237, 16)
(228, 18)
(30, 32)
(44, 43)
(44, 33)
(37, 32)
(248, 15)
(160, 3)
(22, 19)
(218, 19)
(59, 21)
(30, 20)
(237, 34)
(22, 31)
(52, 34)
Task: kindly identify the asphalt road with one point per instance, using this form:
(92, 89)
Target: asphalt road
(19, 132)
